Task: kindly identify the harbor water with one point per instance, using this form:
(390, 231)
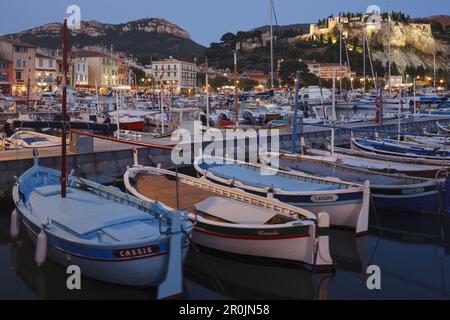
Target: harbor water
(411, 250)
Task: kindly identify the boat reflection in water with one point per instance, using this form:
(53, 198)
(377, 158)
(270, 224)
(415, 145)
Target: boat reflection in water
(237, 277)
(240, 278)
(50, 281)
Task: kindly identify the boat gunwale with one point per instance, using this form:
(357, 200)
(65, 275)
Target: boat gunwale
(299, 222)
(425, 182)
(351, 187)
(22, 205)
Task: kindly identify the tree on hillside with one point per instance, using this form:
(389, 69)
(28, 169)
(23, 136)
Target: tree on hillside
(288, 69)
(218, 82)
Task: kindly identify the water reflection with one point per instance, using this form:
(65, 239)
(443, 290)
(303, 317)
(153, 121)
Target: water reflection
(412, 251)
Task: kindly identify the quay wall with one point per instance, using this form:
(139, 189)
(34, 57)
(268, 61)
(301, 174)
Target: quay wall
(108, 166)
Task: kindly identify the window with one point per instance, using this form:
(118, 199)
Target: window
(19, 63)
(78, 67)
(50, 63)
(41, 62)
(24, 64)
(84, 67)
(18, 75)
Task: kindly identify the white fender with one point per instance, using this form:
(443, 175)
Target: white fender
(362, 224)
(15, 225)
(41, 248)
(135, 157)
(323, 243)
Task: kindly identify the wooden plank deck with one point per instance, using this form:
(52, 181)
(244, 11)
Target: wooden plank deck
(164, 190)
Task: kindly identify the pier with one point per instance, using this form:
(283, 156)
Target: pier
(106, 161)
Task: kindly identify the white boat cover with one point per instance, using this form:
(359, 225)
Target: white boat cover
(235, 211)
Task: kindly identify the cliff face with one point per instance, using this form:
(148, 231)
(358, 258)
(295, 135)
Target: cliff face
(157, 37)
(411, 44)
(94, 28)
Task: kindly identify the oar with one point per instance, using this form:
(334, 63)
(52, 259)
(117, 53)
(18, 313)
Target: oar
(173, 283)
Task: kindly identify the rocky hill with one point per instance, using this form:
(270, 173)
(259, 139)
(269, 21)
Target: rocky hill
(147, 37)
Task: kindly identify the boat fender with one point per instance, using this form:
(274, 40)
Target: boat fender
(15, 226)
(270, 193)
(41, 248)
(323, 256)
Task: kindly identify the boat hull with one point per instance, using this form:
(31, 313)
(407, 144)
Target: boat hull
(134, 126)
(137, 271)
(424, 202)
(286, 246)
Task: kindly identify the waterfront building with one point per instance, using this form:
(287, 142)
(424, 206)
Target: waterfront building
(103, 68)
(5, 75)
(327, 70)
(174, 76)
(23, 56)
(81, 72)
(46, 66)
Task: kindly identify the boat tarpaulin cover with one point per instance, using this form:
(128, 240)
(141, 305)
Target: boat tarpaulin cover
(235, 211)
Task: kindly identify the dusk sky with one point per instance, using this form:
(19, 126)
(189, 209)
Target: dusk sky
(205, 20)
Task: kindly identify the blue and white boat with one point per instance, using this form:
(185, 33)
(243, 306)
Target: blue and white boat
(441, 112)
(390, 192)
(346, 203)
(391, 147)
(110, 235)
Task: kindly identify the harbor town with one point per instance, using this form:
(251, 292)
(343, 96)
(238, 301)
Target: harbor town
(306, 159)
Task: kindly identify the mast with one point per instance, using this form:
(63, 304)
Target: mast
(340, 53)
(207, 92)
(434, 71)
(364, 58)
(161, 101)
(271, 41)
(389, 48)
(294, 133)
(64, 114)
(236, 90)
(118, 112)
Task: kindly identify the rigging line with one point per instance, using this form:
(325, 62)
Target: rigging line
(274, 13)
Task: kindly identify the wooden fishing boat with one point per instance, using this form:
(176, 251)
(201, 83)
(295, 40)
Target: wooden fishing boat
(131, 123)
(390, 147)
(111, 236)
(31, 139)
(347, 203)
(231, 221)
(278, 124)
(442, 128)
(390, 192)
(414, 167)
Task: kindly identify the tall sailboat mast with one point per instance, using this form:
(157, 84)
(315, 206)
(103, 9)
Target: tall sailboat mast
(389, 48)
(64, 113)
(271, 42)
(207, 92)
(434, 71)
(364, 57)
(340, 52)
(236, 89)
